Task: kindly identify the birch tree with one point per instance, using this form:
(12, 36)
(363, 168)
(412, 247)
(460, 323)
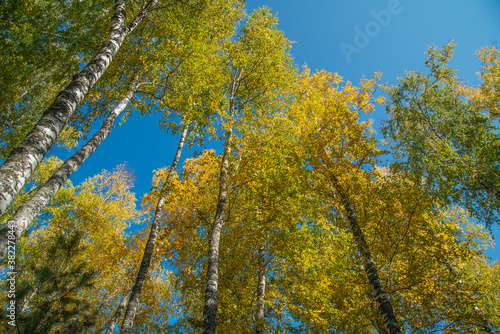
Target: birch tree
(54, 270)
(24, 216)
(27, 155)
(258, 65)
(324, 286)
(189, 211)
(438, 131)
(182, 102)
(339, 149)
(43, 43)
(135, 294)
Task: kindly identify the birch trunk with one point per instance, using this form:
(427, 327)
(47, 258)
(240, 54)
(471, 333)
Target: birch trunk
(23, 160)
(133, 303)
(261, 292)
(383, 303)
(210, 307)
(119, 310)
(29, 210)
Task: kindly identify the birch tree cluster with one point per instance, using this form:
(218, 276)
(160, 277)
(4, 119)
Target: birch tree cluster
(300, 219)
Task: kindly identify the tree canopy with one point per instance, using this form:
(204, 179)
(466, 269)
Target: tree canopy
(290, 216)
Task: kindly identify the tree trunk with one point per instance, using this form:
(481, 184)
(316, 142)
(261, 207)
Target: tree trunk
(133, 303)
(210, 307)
(380, 298)
(29, 210)
(261, 292)
(114, 320)
(23, 160)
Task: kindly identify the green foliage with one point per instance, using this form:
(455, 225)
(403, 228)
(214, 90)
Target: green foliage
(296, 141)
(442, 136)
(49, 300)
(43, 44)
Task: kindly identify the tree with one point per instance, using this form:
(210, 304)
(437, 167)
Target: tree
(258, 66)
(193, 118)
(487, 94)
(84, 218)
(43, 43)
(23, 160)
(410, 236)
(51, 302)
(438, 133)
(340, 151)
(30, 209)
(189, 211)
(135, 294)
(323, 286)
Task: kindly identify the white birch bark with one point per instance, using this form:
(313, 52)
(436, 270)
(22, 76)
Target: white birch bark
(29, 210)
(118, 313)
(133, 303)
(210, 307)
(261, 293)
(23, 160)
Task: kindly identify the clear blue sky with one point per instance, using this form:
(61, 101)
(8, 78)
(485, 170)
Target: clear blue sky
(327, 36)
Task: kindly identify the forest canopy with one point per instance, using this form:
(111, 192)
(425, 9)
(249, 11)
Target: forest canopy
(291, 215)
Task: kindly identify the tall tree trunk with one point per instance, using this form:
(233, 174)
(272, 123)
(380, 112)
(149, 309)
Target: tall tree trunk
(210, 307)
(261, 292)
(23, 160)
(118, 313)
(133, 303)
(380, 298)
(29, 210)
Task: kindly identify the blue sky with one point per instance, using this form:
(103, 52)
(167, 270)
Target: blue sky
(353, 38)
